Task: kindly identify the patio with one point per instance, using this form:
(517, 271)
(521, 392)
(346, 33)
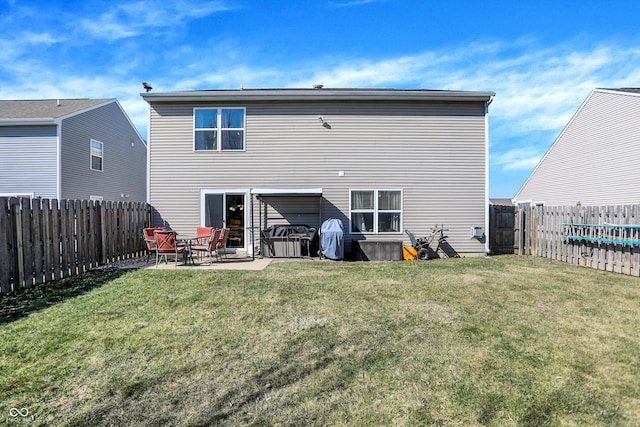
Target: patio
(231, 262)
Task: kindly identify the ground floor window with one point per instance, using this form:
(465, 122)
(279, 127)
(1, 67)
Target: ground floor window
(375, 211)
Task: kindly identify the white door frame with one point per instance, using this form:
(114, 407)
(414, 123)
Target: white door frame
(247, 211)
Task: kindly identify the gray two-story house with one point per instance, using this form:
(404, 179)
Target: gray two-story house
(381, 160)
(71, 149)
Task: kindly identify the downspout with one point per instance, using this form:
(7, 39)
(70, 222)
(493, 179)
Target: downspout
(253, 229)
(486, 180)
(259, 198)
(149, 156)
(59, 160)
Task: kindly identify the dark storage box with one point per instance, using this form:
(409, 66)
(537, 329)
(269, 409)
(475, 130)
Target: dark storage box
(287, 241)
(377, 250)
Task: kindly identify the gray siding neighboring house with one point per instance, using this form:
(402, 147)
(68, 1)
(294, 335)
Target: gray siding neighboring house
(312, 154)
(596, 158)
(45, 150)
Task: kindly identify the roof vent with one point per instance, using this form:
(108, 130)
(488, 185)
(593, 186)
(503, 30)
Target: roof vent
(318, 86)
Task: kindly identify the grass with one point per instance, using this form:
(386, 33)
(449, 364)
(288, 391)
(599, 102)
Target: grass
(500, 341)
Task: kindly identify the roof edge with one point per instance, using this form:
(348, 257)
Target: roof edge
(316, 94)
(620, 91)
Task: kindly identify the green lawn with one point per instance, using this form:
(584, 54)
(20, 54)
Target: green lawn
(499, 341)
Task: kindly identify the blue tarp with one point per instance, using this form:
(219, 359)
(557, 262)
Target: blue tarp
(332, 239)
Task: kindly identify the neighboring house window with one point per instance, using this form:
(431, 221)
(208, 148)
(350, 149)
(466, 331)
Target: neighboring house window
(95, 198)
(96, 155)
(375, 211)
(217, 129)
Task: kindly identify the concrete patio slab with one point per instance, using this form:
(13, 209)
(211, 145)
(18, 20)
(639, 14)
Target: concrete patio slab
(230, 263)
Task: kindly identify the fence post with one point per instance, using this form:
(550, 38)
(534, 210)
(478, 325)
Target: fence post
(6, 254)
(517, 231)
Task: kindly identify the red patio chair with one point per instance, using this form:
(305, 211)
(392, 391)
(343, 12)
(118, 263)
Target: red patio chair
(208, 244)
(166, 245)
(221, 245)
(204, 233)
(150, 240)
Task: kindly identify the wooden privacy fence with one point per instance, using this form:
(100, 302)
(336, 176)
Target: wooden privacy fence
(43, 240)
(601, 237)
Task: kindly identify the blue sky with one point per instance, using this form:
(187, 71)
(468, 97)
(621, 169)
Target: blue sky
(542, 58)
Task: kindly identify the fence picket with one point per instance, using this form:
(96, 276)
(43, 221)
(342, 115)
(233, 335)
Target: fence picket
(47, 253)
(91, 227)
(55, 239)
(37, 241)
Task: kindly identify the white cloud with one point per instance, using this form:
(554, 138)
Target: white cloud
(351, 3)
(518, 159)
(134, 18)
(39, 38)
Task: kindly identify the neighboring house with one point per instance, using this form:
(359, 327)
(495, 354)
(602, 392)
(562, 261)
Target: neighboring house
(381, 160)
(596, 158)
(501, 202)
(71, 149)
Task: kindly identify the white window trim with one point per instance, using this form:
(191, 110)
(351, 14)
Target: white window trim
(219, 128)
(376, 212)
(24, 195)
(91, 155)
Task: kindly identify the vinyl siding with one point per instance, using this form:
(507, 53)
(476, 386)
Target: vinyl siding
(595, 160)
(433, 151)
(283, 210)
(124, 166)
(28, 160)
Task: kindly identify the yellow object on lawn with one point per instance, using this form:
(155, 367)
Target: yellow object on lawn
(409, 252)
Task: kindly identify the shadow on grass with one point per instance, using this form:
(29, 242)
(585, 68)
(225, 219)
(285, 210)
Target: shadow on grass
(18, 305)
(301, 357)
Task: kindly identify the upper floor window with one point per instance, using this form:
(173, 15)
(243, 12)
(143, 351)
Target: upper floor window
(96, 155)
(376, 211)
(217, 129)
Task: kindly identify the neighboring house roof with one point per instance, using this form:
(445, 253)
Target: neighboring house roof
(44, 111)
(51, 111)
(625, 89)
(331, 94)
(501, 202)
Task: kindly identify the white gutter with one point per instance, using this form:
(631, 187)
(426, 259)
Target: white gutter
(28, 122)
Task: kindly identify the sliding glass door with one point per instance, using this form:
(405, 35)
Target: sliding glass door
(227, 209)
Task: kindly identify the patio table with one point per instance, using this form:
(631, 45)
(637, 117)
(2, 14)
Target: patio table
(187, 240)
